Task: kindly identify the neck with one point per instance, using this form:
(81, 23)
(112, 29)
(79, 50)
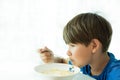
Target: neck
(100, 62)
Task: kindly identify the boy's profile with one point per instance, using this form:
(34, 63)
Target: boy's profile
(88, 36)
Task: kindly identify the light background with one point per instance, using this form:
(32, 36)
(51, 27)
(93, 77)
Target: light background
(27, 25)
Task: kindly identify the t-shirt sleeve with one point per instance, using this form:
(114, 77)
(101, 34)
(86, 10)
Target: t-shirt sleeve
(114, 73)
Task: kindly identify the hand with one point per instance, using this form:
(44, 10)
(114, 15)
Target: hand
(46, 55)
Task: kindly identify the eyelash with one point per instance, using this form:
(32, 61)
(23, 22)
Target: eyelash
(72, 45)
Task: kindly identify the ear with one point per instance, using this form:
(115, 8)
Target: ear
(95, 45)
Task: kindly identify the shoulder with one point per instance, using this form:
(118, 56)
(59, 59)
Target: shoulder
(114, 64)
(114, 70)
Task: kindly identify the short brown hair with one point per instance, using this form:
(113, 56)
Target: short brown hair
(87, 26)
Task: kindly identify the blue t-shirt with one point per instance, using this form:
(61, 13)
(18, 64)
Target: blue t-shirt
(110, 72)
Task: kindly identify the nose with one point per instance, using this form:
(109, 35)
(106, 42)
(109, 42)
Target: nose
(69, 53)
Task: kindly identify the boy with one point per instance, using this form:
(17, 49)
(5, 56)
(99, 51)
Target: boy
(88, 36)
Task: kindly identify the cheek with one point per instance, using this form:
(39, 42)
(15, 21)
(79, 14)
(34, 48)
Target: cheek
(83, 56)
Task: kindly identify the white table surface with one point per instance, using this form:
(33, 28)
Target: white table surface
(17, 71)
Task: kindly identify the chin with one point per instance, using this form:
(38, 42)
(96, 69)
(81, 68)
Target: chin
(75, 64)
(78, 65)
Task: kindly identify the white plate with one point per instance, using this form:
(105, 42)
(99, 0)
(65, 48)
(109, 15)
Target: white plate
(46, 67)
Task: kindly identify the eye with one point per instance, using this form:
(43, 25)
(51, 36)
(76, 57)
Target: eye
(72, 45)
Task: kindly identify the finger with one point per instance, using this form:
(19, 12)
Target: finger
(47, 54)
(46, 59)
(47, 49)
(42, 51)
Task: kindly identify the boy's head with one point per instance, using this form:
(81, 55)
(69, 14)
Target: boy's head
(87, 26)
